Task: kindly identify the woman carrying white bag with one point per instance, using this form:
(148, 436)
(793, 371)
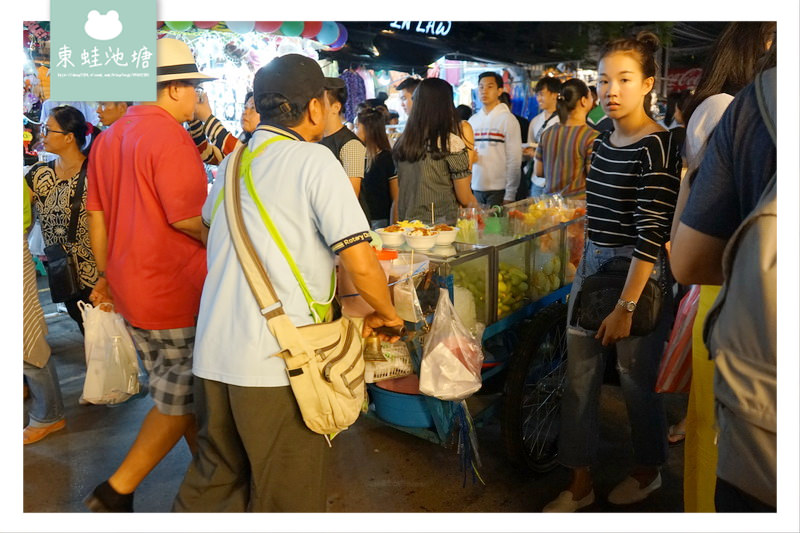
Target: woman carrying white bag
(112, 369)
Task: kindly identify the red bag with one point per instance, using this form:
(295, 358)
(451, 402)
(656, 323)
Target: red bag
(675, 372)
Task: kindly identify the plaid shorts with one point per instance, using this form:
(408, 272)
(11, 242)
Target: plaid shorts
(167, 357)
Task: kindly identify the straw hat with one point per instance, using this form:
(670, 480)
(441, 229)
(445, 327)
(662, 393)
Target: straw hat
(176, 62)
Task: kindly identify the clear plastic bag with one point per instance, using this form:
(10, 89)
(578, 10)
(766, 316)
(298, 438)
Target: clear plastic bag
(406, 301)
(452, 358)
(112, 369)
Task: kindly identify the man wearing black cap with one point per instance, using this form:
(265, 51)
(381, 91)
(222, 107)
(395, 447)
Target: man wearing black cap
(255, 452)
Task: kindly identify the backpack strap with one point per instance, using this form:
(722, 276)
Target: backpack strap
(766, 95)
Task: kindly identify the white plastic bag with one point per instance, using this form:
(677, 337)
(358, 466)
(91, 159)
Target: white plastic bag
(452, 358)
(112, 369)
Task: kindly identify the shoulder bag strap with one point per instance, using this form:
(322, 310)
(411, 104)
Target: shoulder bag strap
(319, 310)
(254, 271)
(75, 203)
(270, 307)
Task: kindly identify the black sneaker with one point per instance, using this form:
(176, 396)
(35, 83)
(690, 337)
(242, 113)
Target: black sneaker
(104, 499)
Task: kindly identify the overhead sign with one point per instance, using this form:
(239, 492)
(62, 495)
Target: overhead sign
(431, 27)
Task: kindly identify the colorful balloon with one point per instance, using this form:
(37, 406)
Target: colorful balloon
(179, 25)
(159, 24)
(205, 24)
(311, 29)
(292, 29)
(241, 26)
(329, 33)
(268, 27)
(340, 42)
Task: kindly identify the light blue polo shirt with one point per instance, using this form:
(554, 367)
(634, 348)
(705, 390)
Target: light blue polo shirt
(312, 203)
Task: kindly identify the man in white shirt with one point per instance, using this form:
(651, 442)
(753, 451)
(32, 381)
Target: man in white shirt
(547, 91)
(498, 141)
(254, 451)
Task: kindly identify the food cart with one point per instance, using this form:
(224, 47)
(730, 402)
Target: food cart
(508, 273)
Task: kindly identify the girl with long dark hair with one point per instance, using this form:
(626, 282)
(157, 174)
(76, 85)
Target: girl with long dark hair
(630, 198)
(380, 183)
(432, 161)
(743, 49)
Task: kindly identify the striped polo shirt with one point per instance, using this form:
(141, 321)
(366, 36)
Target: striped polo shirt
(631, 193)
(564, 152)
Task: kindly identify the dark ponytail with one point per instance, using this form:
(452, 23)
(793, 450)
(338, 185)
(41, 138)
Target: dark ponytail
(570, 95)
(72, 121)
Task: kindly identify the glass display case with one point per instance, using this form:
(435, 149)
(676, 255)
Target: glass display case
(473, 290)
(513, 276)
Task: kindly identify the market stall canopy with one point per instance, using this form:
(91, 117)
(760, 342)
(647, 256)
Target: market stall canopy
(411, 46)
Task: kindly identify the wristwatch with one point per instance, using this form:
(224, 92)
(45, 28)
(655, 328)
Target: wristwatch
(626, 305)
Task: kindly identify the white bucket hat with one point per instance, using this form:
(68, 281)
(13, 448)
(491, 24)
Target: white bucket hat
(176, 62)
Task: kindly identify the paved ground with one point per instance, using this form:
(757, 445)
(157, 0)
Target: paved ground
(386, 470)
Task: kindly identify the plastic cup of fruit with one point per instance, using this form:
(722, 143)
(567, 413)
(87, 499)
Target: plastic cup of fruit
(422, 242)
(446, 238)
(393, 239)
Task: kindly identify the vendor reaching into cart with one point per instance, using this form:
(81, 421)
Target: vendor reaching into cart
(498, 141)
(255, 452)
(631, 191)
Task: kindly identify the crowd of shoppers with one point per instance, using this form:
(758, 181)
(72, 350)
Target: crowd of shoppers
(152, 241)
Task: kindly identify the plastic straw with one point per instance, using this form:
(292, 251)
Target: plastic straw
(433, 217)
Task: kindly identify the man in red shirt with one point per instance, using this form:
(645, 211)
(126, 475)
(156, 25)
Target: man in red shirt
(146, 189)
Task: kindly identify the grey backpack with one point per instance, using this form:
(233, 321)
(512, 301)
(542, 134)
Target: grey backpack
(740, 332)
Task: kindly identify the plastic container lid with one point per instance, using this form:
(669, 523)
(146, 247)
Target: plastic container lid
(386, 255)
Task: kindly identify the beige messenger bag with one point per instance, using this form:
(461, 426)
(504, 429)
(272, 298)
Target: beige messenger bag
(324, 361)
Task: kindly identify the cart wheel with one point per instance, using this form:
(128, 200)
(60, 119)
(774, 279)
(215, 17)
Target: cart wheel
(533, 389)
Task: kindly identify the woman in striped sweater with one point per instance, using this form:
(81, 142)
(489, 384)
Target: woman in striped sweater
(630, 195)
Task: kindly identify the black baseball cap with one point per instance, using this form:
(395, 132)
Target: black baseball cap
(295, 77)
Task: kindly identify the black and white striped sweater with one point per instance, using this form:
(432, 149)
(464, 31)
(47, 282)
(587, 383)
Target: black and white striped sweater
(631, 193)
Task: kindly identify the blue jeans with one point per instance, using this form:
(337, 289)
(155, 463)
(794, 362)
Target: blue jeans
(48, 407)
(638, 359)
(490, 198)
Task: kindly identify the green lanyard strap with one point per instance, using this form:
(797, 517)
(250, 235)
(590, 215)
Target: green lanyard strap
(319, 310)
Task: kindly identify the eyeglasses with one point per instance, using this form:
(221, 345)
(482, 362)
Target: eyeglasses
(45, 130)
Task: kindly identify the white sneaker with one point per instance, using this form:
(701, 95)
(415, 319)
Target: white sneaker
(629, 491)
(565, 503)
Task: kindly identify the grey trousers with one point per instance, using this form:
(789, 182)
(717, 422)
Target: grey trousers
(254, 453)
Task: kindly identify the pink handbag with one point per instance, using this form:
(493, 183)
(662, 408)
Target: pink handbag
(675, 372)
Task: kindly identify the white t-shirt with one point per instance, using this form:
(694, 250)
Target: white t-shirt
(309, 199)
(498, 142)
(703, 121)
(536, 128)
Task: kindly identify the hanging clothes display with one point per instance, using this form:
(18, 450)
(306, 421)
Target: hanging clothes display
(369, 82)
(356, 93)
